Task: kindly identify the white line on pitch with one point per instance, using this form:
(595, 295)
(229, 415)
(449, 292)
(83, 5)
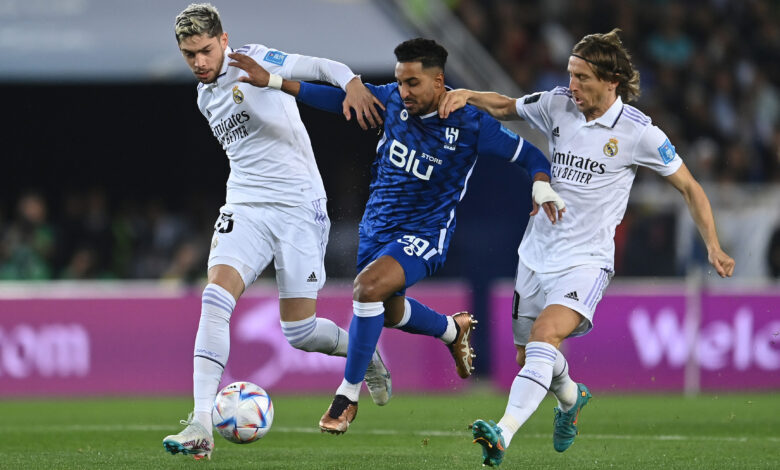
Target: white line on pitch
(376, 432)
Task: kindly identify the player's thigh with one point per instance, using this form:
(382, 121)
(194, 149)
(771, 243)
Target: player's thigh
(301, 236)
(295, 309)
(242, 241)
(579, 289)
(379, 281)
(528, 302)
(417, 254)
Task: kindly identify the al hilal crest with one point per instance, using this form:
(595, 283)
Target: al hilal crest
(611, 148)
(238, 97)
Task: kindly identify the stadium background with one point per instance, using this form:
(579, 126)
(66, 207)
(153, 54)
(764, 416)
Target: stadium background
(111, 180)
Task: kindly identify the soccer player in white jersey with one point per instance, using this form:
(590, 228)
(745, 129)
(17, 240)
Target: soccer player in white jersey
(596, 144)
(275, 207)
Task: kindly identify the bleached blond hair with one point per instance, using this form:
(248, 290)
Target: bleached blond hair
(197, 19)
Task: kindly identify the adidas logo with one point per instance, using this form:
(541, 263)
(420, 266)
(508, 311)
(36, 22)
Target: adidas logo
(312, 277)
(572, 295)
(556, 132)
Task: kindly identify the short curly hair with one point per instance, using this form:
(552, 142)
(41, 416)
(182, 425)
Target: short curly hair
(426, 51)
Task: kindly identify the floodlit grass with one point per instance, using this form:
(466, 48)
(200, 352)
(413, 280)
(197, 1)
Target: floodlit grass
(412, 431)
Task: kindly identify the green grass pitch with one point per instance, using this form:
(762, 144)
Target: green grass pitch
(412, 432)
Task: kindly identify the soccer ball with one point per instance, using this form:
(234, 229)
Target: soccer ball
(242, 412)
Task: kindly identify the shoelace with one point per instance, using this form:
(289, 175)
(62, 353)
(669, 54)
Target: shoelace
(187, 421)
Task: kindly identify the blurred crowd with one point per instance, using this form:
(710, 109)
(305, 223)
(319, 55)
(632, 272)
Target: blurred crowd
(710, 76)
(710, 69)
(90, 239)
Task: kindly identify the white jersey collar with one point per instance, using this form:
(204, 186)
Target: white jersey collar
(609, 118)
(431, 114)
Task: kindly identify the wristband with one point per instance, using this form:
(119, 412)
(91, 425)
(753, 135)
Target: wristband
(275, 81)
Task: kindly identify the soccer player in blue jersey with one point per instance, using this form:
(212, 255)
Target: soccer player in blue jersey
(420, 174)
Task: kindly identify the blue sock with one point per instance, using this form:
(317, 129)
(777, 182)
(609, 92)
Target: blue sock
(363, 336)
(423, 320)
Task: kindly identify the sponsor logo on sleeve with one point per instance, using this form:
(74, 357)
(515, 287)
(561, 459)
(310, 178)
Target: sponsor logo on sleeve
(667, 152)
(275, 57)
(532, 98)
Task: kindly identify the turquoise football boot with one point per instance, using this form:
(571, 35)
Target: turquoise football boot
(566, 421)
(488, 435)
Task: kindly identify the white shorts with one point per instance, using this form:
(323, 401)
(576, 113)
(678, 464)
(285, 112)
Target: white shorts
(579, 288)
(248, 236)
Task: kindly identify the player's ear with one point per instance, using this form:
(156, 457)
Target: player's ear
(223, 40)
(438, 80)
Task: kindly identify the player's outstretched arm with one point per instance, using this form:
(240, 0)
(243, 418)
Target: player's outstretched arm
(499, 106)
(701, 211)
(359, 99)
(322, 97)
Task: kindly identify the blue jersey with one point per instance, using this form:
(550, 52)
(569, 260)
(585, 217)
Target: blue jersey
(424, 163)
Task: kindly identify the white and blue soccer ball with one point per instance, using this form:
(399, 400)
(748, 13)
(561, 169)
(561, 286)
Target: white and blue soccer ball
(242, 412)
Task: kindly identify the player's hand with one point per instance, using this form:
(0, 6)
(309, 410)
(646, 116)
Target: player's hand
(364, 103)
(723, 263)
(256, 74)
(453, 100)
(542, 194)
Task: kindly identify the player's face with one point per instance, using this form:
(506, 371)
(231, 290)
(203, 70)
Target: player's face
(592, 95)
(204, 55)
(420, 88)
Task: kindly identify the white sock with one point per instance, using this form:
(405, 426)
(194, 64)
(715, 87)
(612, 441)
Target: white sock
(451, 332)
(212, 347)
(529, 387)
(564, 388)
(349, 390)
(316, 335)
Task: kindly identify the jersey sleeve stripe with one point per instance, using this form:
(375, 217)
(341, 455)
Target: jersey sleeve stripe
(561, 90)
(517, 151)
(637, 115)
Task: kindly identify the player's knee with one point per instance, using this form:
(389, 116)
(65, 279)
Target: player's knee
(367, 289)
(302, 344)
(546, 333)
(302, 340)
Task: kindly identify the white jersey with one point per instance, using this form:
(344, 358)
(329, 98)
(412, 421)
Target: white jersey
(593, 168)
(271, 159)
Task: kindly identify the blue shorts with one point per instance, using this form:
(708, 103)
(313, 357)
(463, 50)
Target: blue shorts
(419, 256)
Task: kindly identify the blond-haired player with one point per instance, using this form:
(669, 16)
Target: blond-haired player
(596, 143)
(275, 206)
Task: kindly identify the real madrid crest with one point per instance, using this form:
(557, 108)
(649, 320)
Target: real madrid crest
(238, 96)
(611, 147)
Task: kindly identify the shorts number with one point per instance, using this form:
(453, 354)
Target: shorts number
(414, 245)
(224, 222)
